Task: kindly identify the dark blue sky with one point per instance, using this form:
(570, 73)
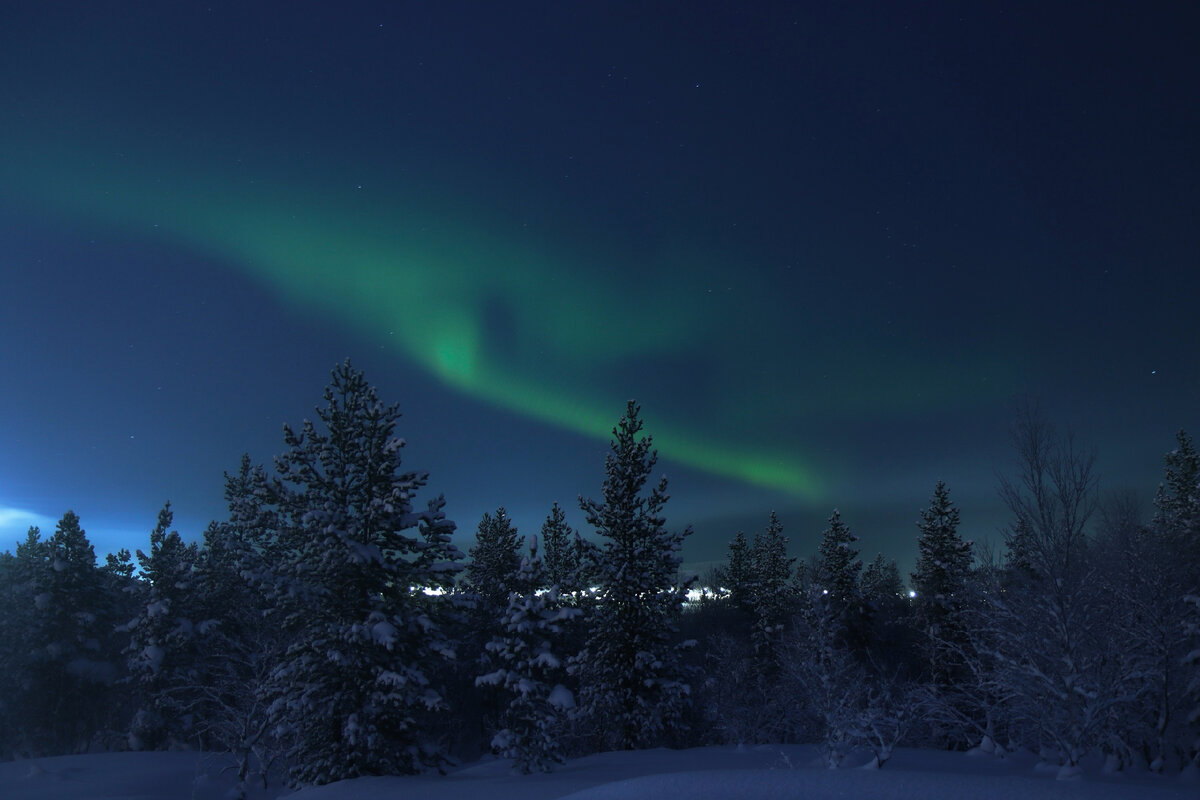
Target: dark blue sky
(826, 245)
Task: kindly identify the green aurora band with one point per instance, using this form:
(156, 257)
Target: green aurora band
(528, 323)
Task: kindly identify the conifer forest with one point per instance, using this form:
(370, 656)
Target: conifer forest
(329, 627)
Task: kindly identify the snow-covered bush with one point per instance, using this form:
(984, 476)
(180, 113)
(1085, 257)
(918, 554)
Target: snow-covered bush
(743, 703)
(824, 679)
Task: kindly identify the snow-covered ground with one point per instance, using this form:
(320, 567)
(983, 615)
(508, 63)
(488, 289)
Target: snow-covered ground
(711, 772)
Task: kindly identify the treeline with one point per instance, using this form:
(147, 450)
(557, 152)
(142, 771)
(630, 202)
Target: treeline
(329, 628)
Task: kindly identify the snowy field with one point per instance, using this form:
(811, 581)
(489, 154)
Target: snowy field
(713, 772)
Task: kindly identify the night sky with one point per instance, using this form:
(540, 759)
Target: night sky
(826, 245)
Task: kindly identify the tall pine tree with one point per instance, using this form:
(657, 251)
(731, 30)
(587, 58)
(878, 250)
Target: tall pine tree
(943, 558)
(940, 578)
(358, 565)
(634, 688)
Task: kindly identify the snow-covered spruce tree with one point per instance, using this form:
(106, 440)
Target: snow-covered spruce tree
(884, 597)
(356, 562)
(1175, 535)
(531, 669)
(488, 579)
(21, 577)
(771, 600)
(737, 574)
(495, 559)
(120, 565)
(73, 649)
(835, 578)
(240, 647)
(164, 654)
(587, 556)
(242, 639)
(939, 580)
(838, 565)
(1177, 503)
(569, 565)
(1191, 662)
(564, 556)
(634, 691)
(11, 666)
(239, 574)
(880, 582)
(741, 679)
(250, 542)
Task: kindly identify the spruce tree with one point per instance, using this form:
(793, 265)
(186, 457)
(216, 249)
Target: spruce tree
(164, 656)
(1019, 557)
(120, 564)
(939, 580)
(563, 556)
(494, 561)
(881, 584)
(744, 689)
(489, 577)
(74, 663)
(1177, 506)
(634, 688)
(738, 576)
(240, 568)
(251, 540)
(771, 601)
(355, 581)
(21, 710)
(11, 666)
(889, 642)
(943, 558)
(838, 566)
(1191, 663)
(1175, 533)
(770, 564)
(531, 669)
(586, 557)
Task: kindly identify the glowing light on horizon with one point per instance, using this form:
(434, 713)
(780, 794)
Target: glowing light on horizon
(11, 517)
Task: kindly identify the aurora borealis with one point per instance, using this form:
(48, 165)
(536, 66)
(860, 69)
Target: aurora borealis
(824, 248)
(390, 271)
